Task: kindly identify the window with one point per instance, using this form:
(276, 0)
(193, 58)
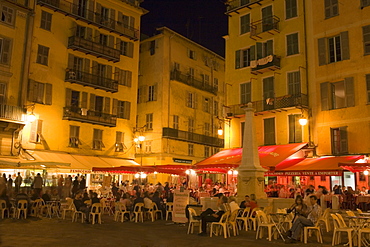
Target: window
(123, 109)
(292, 44)
(45, 20)
(36, 131)
(175, 122)
(2, 93)
(295, 129)
(205, 79)
(206, 104)
(365, 3)
(207, 129)
(139, 95)
(294, 83)
(176, 66)
(104, 15)
(124, 77)
(206, 151)
(263, 49)
(40, 92)
(191, 54)
(269, 131)
(5, 48)
(245, 93)
(290, 8)
(339, 141)
(152, 93)
(152, 47)
(191, 125)
(148, 146)
(244, 57)
(81, 31)
(190, 149)
(337, 95)
(368, 87)
(366, 37)
(149, 121)
(268, 93)
(191, 100)
(74, 136)
(119, 146)
(82, 7)
(191, 72)
(333, 49)
(215, 83)
(267, 19)
(215, 108)
(42, 55)
(98, 139)
(331, 8)
(127, 49)
(7, 15)
(103, 39)
(245, 25)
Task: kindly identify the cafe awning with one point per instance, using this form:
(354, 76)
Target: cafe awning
(168, 169)
(30, 164)
(355, 167)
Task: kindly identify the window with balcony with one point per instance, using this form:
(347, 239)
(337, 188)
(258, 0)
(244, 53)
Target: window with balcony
(267, 19)
(290, 9)
(333, 49)
(191, 125)
(148, 146)
(292, 44)
(2, 93)
(191, 149)
(149, 121)
(245, 24)
(191, 100)
(46, 20)
(335, 95)
(205, 79)
(244, 57)
(39, 92)
(339, 140)
(269, 131)
(366, 38)
(264, 49)
(124, 77)
(123, 109)
(295, 129)
(74, 136)
(215, 83)
(331, 8)
(206, 151)
(81, 32)
(103, 39)
(294, 83)
(42, 55)
(368, 87)
(245, 93)
(120, 145)
(365, 3)
(191, 72)
(175, 123)
(268, 93)
(7, 15)
(127, 48)
(5, 50)
(82, 7)
(152, 93)
(98, 139)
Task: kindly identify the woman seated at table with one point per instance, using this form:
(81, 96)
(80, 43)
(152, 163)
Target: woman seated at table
(298, 208)
(126, 200)
(211, 216)
(81, 206)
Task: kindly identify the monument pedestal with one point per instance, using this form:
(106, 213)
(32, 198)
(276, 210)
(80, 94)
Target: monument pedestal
(251, 181)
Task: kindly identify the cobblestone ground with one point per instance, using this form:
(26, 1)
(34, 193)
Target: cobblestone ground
(56, 232)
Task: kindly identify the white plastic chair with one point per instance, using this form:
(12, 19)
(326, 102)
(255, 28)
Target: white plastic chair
(264, 222)
(193, 222)
(339, 227)
(220, 225)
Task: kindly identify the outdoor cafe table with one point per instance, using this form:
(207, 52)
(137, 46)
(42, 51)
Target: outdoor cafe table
(278, 220)
(52, 208)
(359, 222)
(363, 199)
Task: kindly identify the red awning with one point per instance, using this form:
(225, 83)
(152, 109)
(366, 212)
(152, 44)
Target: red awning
(169, 169)
(270, 156)
(355, 167)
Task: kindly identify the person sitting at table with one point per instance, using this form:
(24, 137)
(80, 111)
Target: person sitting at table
(147, 201)
(158, 201)
(363, 191)
(233, 205)
(46, 196)
(246, 202)
(338, 190)
(211, 216)
(126, 200)
(298, 208)
(81, 206)
(35, 195)
(55, 195)
(314, 212)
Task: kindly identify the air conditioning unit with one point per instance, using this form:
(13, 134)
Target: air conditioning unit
(83, 111)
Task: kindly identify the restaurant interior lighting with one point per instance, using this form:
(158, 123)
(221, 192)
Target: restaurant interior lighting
(137, 175)
(230, 172)
(366, 172)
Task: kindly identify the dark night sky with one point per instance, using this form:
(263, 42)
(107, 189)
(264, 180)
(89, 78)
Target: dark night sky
(202, 21)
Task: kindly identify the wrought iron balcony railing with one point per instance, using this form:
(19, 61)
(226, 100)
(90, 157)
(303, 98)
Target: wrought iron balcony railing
(192, 81)
(269, 24)
(88, 116)
(192, 137)
(269, 63)
(12, 113)
(272, 104)
(235, 5)
(91, 17)
(96, 49)
(91, 80)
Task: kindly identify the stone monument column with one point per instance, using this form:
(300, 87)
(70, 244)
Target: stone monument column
(250, 172)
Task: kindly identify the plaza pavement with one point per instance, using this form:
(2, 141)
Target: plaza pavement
(39, 232)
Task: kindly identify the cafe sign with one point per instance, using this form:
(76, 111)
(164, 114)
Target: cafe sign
(182, 161)
(304, 173)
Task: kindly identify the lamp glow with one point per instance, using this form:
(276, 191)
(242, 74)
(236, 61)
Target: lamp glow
(155, 173)
(230, 172)
(366, 172)
(303, 121)
(187, 172)
(137, 175)
(235, 172)
(143, 175)
(31, 118)
(141, 138)
(220, 131)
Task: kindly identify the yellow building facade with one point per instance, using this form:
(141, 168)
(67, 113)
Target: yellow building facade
(267, 65)
(180, 100)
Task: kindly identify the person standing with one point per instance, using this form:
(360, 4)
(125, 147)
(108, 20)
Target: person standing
(75, 186)
(60, 186)
(10, 185)
(37, 184)
(18, 182)
(68, 186)
(3, 184)
(82, 183)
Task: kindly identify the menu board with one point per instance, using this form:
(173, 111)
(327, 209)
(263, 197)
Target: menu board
(180, 201)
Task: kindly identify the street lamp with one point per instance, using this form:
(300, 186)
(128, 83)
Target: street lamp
(139, 139)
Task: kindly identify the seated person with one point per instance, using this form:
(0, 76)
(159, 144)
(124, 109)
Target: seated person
(233, 205)
(35, 195)
(147, 201)
(314, 212)
(94, 198)
(298, 208)
(211, 216)
(81, 206)
(245, 203)
(46, 196)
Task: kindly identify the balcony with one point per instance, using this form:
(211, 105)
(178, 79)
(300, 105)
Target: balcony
(93, 48)
(88, 116)
(235, 5)
(10, 113)
(270, 25)
(277, 104)
(91, 80)
(186, 136)
(266, 64)
(191, 81)
(90, 17)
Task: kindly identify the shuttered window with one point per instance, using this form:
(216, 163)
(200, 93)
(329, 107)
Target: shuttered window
(152, 93)
(7, 15)
(333, 49)
(294, 83)
(269, 131)
(40, 92)
(337, 95)
(45, 20)
(98, 139)
(245, 25)
(191, 100)
(176, 122)
(368, 88)
(127, 48)
(339, 140)
(119, 145)
(331, 8)
(123, 109)
(366, 38)
(2, 93)
(42, 55)
(292, 44)
(295, 129)
(244, 57)
(365, 3)
(190, 149)
(290, 8)
(36, 131)
(245, 93)
(5, 50)
(74, 136)
(149, 121)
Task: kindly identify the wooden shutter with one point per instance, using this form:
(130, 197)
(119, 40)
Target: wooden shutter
(112, 16)
(128, 78)
(31, 90)
(237, 59)
(117, 75)
(111, 41)
(84, 100)
(132, 22)
(71, 58)
(48, 94)
(40, 92)
(109, 72)
(130, 49)
(343, 140)
(90, 13)
(324, 91)
(344, 39)
(98, 12)
(322, 51)
(107, 105)
(33, 131)
(89, 33)
(87, 65)
(95, 68)
(96, 36)
(291, 119)
(120, 18)
(68, 97)
(118, 45)
(92, 102)
(349, 91)
(259, 50)
(127, 106)
(270, 47)
(114, 106)
(252, 51)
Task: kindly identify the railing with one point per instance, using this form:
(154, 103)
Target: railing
(272, 104)
(12, 113)
(94, 48)
(133, 2)
(238, 4)
(192, 137)
(91, 17)
(268, 63)
(88, 116)
(21, 2)
(91, 80)
(265, 25)
(191, 81)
